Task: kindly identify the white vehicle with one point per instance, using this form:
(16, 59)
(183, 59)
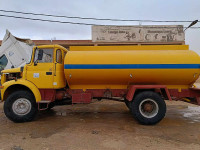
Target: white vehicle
(14, 52)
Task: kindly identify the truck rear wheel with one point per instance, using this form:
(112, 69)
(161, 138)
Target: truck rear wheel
(20, 106)
(148, 108)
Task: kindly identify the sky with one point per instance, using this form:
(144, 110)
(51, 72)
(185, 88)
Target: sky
(117, 9)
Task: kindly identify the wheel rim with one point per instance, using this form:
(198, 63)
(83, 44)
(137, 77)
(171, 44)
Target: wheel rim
(148, 108)
(21, 106)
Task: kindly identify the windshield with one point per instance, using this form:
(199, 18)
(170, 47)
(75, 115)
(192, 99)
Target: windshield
(47, 56)
(3, 62)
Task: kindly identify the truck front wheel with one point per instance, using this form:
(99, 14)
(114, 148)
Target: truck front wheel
(20, 106)
(148, 108)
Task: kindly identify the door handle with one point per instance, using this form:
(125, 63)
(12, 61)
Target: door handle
(55, 70)
(48, 73)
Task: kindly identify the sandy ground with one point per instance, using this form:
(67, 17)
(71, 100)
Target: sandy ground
(103, 125)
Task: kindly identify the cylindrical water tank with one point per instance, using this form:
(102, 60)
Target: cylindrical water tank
(118, 69)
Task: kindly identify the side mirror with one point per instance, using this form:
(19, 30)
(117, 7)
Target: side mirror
(40, 54)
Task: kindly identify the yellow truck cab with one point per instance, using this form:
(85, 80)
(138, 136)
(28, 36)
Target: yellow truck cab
(140, 76)
(45, 71)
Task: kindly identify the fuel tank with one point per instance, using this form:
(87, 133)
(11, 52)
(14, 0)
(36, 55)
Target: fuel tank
(106, 68)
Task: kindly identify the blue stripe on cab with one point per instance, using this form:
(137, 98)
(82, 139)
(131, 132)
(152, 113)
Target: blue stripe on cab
(132, 66)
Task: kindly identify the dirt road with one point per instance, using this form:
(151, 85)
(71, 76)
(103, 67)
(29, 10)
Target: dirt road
(104, 125)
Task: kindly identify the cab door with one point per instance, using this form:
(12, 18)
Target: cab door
(41, 71)
(59, 80)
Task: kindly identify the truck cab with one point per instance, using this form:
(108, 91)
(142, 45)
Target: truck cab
(46, 65)
(22, 88)
(46, 69)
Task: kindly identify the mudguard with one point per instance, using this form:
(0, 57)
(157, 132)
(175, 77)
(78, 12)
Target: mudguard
(25, 83)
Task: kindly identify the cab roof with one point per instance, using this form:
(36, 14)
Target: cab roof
(52, 46)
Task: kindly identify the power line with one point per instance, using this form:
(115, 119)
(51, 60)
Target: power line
(85, 18)
(45, 20)
(77, 23)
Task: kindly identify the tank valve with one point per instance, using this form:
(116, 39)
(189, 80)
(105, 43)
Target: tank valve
(131, 75)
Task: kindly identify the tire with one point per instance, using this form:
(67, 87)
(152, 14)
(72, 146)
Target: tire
(128, 103)
(20, 106)
(148, 108)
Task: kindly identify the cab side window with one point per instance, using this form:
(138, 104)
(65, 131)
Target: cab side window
(44, 55)
(59, 56)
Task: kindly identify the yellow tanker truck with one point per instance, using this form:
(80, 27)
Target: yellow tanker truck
(141, 76)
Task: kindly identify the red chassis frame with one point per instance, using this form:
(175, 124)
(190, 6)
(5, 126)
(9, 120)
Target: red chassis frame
(80, 96)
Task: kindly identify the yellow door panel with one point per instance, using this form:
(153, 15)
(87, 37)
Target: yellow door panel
(41, 75)
(41, 72)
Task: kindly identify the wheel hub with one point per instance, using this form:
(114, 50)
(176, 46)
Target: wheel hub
(148, 108)
(21, 106)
